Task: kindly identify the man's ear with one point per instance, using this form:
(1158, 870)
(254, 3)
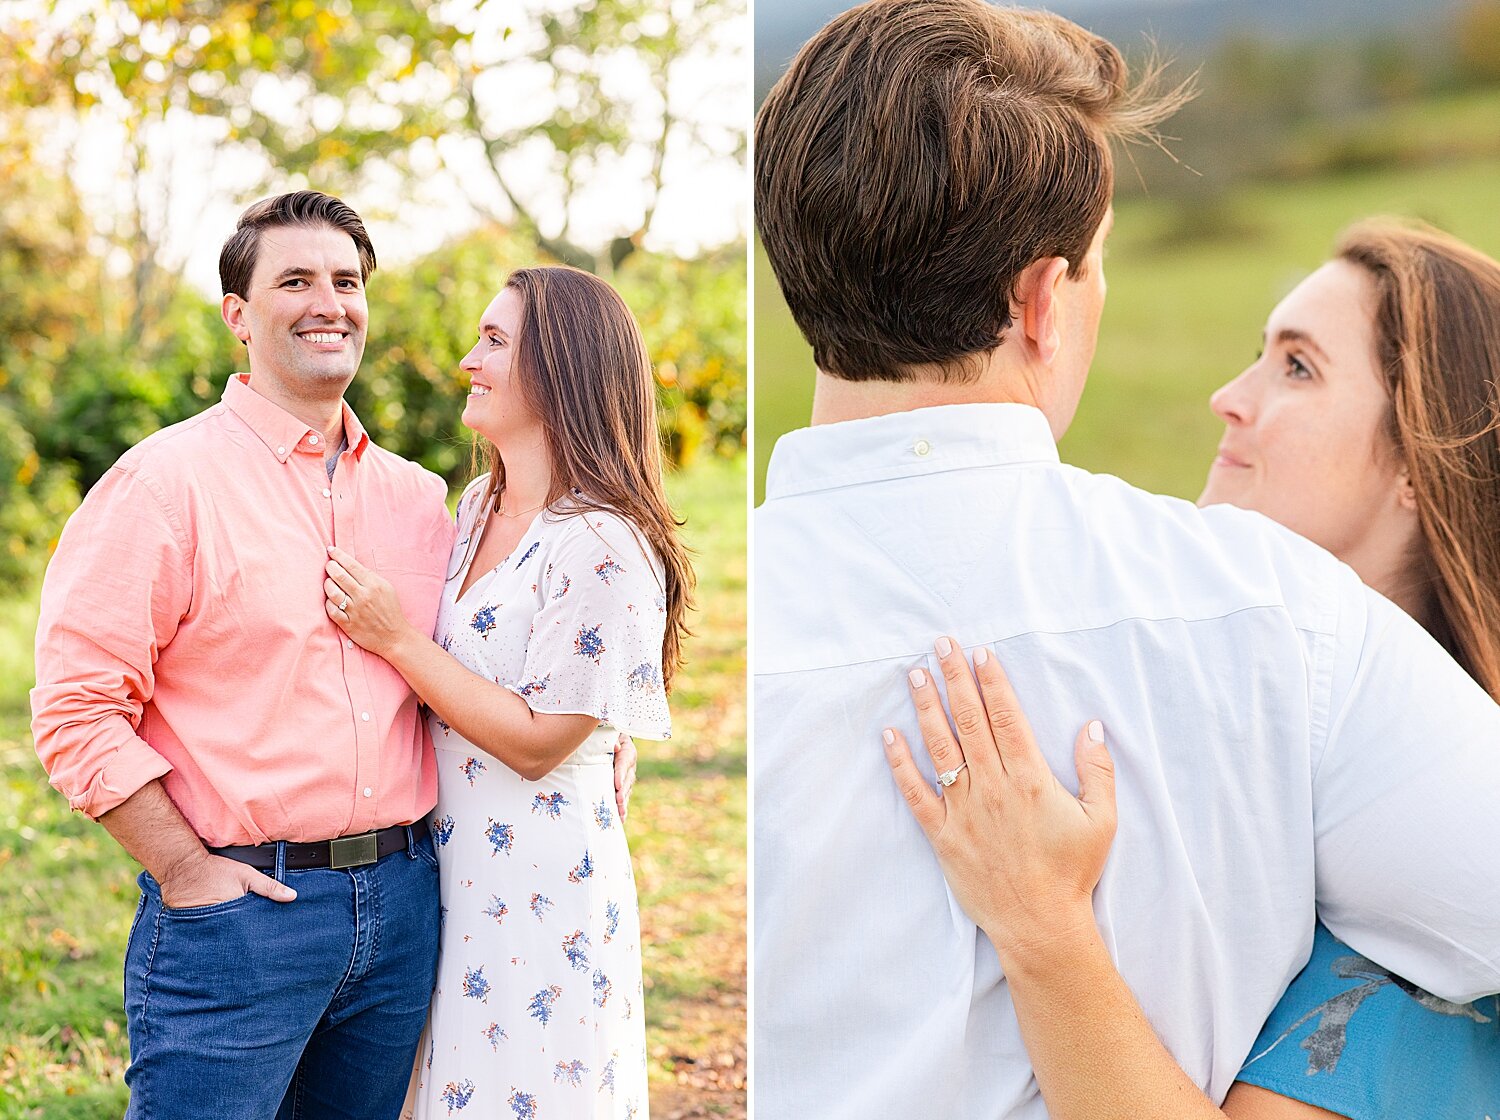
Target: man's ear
(232, 309)
(1036, 291)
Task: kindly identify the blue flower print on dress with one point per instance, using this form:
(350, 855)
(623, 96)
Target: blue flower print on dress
(562, 586)
(540, 1006)
(529, 553)
(442, 830)
(501, 837)
(589, 644)
(611, 920)
(583, 870)
(457, 1094)
(607, 1077)
(576, 948)
(494, 1036)
(472, 768)
(497, 910)
(608, 568)
(570, 1073)
(549, 804)
(602, 988)
(484, 621)
(536, 686)
(604, 815)
(476, 986)
(645, 677)
(630, 1109)
(522, 1104)
(540, 904)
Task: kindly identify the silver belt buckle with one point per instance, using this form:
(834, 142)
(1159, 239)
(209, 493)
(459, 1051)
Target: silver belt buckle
(352, 851)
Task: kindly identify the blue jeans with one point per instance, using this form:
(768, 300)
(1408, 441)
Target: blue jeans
(252, 1009)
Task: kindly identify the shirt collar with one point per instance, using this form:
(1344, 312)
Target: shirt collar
(278, 429)
(903, 444)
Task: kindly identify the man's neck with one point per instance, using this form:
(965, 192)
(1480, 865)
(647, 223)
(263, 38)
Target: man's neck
(324, 416)
(836, 400)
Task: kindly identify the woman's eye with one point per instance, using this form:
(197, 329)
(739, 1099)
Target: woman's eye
(1296, 370)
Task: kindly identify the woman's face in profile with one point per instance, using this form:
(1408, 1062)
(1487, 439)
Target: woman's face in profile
(1305, 425)
(496, 408)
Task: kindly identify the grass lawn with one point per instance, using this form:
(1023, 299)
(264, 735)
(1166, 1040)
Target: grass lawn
(69, 892)
(1183, 315)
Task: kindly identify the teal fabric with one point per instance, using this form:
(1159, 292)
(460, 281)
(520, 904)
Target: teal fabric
(1353, 1039)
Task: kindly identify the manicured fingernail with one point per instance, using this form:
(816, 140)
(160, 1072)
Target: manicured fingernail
(889, 736)
(981, 655)
(918, 678)
(1095, 731)
(944, 647)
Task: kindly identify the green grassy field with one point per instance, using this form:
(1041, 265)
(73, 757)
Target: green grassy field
(1183, 314)
(69, 891)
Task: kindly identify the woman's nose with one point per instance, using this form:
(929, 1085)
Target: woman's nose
(1231, 402)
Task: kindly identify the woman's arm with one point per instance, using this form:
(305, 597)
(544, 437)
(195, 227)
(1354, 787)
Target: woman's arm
(1023, 856)
(364, 605)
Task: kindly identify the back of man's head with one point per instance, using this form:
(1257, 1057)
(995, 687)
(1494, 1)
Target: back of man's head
(914, 159)
(297, 208)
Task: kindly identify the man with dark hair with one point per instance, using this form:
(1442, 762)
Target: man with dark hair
(932, 186)
(195, 699)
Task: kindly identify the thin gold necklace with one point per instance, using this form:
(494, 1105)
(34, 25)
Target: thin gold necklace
(500, 508)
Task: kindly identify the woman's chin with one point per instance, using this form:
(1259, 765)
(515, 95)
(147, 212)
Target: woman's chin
(474, 419)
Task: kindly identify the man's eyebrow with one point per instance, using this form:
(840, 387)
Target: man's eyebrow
(299, 271)
(1293, 335)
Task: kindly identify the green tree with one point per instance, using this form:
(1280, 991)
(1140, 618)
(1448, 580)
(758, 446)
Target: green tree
(287, 88)
(574, 59)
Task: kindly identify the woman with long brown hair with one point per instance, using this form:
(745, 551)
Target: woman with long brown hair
(560, 627)
(1370, 424)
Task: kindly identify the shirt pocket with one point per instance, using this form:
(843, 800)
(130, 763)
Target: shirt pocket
(417, 575)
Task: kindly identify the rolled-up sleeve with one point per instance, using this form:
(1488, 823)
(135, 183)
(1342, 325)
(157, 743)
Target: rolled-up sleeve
(113, 596)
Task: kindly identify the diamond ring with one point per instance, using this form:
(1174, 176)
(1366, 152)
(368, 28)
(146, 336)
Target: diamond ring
(948, 777)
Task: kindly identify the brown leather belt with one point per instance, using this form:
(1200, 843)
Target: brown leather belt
(346, 851)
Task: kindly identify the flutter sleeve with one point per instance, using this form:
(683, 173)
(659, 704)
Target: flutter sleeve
(596, 641)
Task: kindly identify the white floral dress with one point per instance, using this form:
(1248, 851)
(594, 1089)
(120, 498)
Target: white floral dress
(537, 1013)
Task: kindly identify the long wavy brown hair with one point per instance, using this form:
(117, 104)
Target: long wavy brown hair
(582, 367)
(1437, 323)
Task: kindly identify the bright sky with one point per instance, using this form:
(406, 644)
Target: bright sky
(704, 202)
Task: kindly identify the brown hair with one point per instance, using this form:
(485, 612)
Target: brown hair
(299, 208)
(582, 367)
(917, 156)
(1437, 322)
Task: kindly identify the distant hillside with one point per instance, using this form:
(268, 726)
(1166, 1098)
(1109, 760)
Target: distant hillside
(1189, 26)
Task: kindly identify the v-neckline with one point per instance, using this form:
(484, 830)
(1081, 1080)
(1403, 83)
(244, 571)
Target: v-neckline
(479, 529)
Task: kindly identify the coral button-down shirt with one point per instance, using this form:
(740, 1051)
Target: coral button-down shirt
(183, 636)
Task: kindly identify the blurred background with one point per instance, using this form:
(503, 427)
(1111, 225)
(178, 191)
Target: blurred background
(1311, 114)
(474, 137)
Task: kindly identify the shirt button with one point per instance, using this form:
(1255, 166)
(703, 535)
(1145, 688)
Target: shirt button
(365, 716)
(327, 493)
(281, 451)
(348, 644)
(312, 439)
(368, 791)
(922, 447)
